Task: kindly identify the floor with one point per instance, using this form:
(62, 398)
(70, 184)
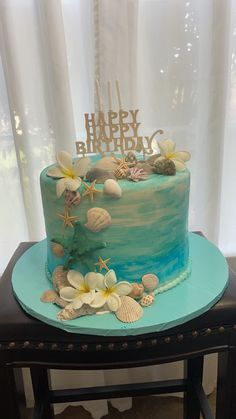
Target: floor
(143, 407)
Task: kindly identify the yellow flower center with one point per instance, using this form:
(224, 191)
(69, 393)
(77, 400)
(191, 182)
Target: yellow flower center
(69, 173)
(169, 156)
(83, 289)
(108, 292)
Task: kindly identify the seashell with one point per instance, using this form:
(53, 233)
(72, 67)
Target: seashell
(136, 174)
(72, 198)
(57, 249)
(99, 175)
(98, 219)
(112, 188)
(69, 313)
(164, 167)
(50, 296)
(130, 158)
(129, 311)
(59, 278)
(137, 290)
(106, 163)
(120, 173)
(83, 165)
(147, 300)
(150, 281)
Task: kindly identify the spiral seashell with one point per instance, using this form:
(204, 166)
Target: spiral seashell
(147, 300)
(112, 188)
(137, 290)
(130, 158)
(129, 311)
(150, 281)
(97, 219)
(59, 278)
(164, 167)
(69, 313)
(57, 250)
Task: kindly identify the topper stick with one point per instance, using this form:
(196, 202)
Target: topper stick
(109, 95)
(98, 95)
(118, 94)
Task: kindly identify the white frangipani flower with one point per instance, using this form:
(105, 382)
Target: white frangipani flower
(109, 291)
(167, 150)
(82, 290)
(67, 172)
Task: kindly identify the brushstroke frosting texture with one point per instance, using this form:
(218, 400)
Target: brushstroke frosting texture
(149, 231)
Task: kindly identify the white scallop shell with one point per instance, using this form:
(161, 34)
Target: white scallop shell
(129, 311)
(147, 300)
(112, 188)
(150, 281)
(97, 219)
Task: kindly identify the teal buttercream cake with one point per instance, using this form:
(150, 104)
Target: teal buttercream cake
(146, 231)
(117, 235)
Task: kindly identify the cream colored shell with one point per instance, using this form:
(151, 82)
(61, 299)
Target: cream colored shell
(69, 313)
(49, 296)
(150, 281)
(57, 250)
(129, 311)
(97, 219)
(112, 188)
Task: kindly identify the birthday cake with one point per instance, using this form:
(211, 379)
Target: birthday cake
(116, 219)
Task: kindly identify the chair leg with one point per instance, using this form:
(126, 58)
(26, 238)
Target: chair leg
(226, 385)
(9, 400)
(40, 382)
(193, 370)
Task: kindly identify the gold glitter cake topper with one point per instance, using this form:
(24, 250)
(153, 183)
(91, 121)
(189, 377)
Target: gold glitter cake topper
(114, 131)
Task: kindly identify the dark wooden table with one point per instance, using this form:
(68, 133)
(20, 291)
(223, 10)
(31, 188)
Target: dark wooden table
(27, 342)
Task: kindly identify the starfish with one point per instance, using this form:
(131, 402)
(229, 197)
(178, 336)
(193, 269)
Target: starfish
(102, 263)
(90, 190)
(67, 218)
(122, 163)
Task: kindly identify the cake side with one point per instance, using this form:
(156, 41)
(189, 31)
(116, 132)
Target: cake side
(148, 231)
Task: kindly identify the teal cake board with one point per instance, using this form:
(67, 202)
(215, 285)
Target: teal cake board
(192, 297)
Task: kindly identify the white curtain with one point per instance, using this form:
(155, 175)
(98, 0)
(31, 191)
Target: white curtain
(175, 60)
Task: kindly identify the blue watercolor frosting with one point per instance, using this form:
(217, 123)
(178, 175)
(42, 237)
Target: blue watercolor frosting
(149, 230)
